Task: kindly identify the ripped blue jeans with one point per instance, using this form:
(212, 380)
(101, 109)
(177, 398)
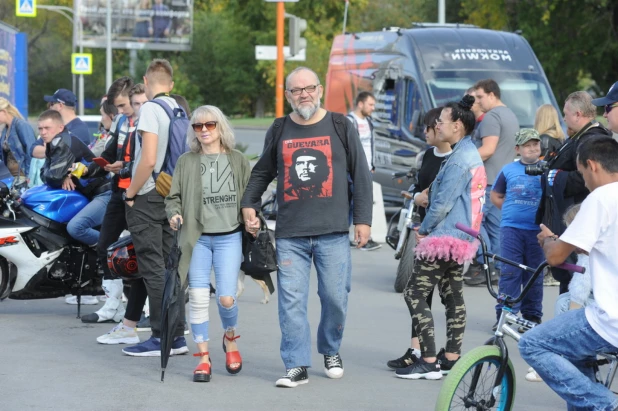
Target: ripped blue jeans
(331, 255)
(224, 254)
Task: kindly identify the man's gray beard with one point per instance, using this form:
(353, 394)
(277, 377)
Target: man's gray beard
(307, 112)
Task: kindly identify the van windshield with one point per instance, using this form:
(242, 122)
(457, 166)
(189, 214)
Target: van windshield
(521, 92)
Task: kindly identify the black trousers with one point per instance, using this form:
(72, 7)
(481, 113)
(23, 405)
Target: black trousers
(114, 222)
(152, 239)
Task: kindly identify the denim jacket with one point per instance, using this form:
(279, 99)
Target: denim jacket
(456, 195)
(21, 137)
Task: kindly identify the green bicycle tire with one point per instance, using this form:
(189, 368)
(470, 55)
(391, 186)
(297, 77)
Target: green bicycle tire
(486, 353)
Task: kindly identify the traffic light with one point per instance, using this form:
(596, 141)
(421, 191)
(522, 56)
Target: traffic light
(297, 43)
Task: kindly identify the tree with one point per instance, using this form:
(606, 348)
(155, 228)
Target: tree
(572, 40)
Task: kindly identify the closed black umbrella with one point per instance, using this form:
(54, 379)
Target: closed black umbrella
(172, 298)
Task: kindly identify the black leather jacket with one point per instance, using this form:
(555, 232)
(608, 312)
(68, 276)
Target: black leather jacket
(60, 154)
(553, 205)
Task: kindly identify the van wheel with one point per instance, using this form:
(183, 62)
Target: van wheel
(406, 263)
(5, 279)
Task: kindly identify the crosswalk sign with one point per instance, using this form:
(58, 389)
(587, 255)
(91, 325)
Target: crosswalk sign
(81, 63)
(25, 8)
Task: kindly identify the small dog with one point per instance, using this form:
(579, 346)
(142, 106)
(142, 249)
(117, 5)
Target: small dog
(261, 283)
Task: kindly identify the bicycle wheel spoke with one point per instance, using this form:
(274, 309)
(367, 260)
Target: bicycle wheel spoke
(480, 398)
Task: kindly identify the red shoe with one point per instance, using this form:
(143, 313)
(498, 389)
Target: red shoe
(232, 356)
(202, 371)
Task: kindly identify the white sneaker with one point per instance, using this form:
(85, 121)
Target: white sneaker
(119, 335)
(532, 376)
(86, 300)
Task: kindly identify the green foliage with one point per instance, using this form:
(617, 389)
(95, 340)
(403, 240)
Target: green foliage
(573, 41)
(220, 70)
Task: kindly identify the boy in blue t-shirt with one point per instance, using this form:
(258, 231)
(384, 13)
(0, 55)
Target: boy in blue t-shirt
(518, 195)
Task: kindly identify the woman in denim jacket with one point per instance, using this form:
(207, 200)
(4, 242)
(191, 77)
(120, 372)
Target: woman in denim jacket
(16, 139)
(456, 195)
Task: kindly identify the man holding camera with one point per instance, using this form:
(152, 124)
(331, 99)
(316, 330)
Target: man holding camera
(609, 103)
(562, 185)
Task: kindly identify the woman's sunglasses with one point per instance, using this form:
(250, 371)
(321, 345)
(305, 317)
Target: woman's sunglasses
(210, 125)
(609, 107)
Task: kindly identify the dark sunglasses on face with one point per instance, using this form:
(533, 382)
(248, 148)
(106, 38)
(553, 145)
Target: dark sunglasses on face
(609, 107)
(210, 125)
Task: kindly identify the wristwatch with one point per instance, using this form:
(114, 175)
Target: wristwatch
(125, 198)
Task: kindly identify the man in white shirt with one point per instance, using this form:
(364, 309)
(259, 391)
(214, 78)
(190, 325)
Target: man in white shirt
(361, 119)
(560, 349)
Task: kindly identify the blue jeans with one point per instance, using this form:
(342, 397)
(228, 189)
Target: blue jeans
(331, 256)
(224, 254)
(558, 350)
(490, 226)
(521, 246)
(81, 226)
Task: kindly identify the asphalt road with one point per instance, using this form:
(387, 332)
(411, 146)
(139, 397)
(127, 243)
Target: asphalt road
(253, 138)
(49, 360)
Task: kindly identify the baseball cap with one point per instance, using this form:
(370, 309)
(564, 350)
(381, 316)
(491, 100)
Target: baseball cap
(526, 134)
(610, 98)
(63, 96)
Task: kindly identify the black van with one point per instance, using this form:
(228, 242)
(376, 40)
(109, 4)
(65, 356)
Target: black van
(413, 70)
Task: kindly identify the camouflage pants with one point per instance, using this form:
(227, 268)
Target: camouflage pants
(448, 276)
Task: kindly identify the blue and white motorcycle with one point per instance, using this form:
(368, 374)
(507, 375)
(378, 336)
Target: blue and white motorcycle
(38, 258)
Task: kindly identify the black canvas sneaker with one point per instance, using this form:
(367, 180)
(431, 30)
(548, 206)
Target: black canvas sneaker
(371, 245)
(293, 378)
(333, 366)
(420, 369)
(404, 361)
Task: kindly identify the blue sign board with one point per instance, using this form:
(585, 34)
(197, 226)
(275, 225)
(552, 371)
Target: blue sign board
(14, 67)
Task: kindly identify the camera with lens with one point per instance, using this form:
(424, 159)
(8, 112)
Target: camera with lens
(536, 169)
(125, 172)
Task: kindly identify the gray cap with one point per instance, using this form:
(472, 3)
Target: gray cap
(526, 134)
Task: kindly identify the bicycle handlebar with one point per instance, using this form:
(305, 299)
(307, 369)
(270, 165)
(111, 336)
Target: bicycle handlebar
(536, 272)
(467, 230)
(571, 267)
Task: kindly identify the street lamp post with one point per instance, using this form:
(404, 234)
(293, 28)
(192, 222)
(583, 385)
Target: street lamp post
(77, 33)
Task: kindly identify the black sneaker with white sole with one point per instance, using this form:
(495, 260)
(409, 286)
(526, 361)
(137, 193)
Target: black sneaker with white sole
(293, 378)
(420, 369)
(445, 364)
(371, 245)
(333, 366)
(404, 361)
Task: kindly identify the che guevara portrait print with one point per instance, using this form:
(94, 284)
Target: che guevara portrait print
(308, 168)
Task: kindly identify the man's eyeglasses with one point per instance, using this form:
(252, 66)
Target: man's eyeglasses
(210, 125)
(299, 91)
(439, 123)
(609, 107)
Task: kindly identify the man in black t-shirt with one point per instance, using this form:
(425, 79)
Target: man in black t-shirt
(312, 162)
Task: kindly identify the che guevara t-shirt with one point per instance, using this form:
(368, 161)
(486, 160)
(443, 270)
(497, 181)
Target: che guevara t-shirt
(312, 186)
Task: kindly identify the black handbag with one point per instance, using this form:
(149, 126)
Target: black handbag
(259, 255)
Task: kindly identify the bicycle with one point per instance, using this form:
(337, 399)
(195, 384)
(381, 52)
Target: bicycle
(484, 378)
(401, 233)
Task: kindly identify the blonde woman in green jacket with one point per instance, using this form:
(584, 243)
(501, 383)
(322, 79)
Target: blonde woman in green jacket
(207, 186)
